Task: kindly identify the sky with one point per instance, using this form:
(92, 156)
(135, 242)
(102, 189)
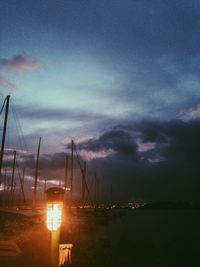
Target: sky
(120, 77)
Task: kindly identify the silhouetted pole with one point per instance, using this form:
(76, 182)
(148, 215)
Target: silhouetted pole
(72, 167)
(5, 178)
(83, 183)
(4, 185)
(22, 184)
(4, 133)
(13, 175)
(66, 172)
(82, 172)
(36, 175)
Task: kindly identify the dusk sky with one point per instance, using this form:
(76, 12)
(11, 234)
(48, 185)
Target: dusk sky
(120, 77)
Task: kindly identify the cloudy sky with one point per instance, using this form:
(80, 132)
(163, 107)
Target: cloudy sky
(120, 77)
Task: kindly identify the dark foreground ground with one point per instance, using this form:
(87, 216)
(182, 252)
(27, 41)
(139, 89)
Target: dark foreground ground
(142, 238)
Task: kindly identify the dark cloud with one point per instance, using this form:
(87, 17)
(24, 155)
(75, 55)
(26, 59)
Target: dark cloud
(117, 140)
(153, 131)
(19, 63)
(53, 162)
(169, 170)
(50, 162)
(179, 140)
(174, 140)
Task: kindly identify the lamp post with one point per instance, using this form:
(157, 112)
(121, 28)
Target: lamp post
(54, 208)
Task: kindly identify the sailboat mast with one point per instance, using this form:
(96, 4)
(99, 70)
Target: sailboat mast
(66, 171)
(83, 184)
(13, 176)
(72, 167)
(5, 178)
(36, 175)
(82, 171)
(4, 133)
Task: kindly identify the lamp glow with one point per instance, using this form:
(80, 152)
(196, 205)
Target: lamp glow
(54, 216)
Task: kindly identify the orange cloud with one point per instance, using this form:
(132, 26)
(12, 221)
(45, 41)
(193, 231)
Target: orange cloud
(19, 63)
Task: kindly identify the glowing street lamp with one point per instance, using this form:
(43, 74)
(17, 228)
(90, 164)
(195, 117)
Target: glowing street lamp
(54, 207)
(54, 216)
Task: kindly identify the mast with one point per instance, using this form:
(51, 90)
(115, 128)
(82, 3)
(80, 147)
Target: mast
(5, 179)
(82, 171)
(66, 172)
(4, 132)
(83, 183)
(4, 185)
(21, 179)
(23, 176)
(72, 167)
(12, 178)
(36, 175)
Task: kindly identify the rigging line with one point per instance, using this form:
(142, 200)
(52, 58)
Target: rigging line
(91, 183)
(22, 139)
(3, 106)
(9, 141)
(89, 157)
(17, 126)
(20, 129)
(18, 132)
(89, 175)
(21, 182)
(82, 172)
